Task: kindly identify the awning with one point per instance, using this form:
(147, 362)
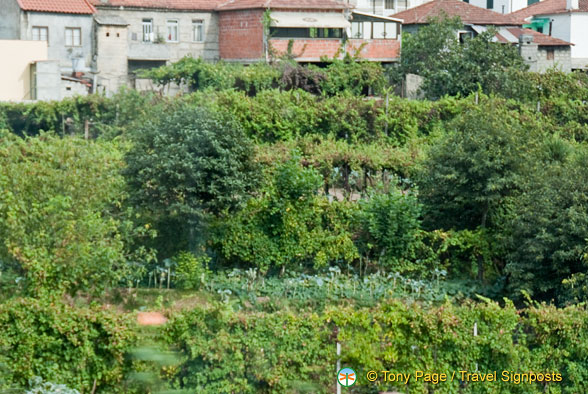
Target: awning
(309, 19)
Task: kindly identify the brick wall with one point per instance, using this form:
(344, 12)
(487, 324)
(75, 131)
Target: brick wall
(241, 35)
(311, 50)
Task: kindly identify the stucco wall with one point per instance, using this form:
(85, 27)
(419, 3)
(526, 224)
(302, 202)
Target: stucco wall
(15, 74)
(502, 6)
(9, 18)
(170, 51)
(57, 24)
(579, 37)
(379, 7)
(111, 57)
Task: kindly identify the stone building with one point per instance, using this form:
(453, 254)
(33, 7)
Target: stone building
(566, 20)
(539, 51)
(142, 34)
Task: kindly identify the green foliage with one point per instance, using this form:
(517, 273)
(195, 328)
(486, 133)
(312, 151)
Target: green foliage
(548, 223)
(187, 165)
(391, 229)
(227, 351)
(38, 386)
(353, 76)
(76, 347)
(58, 212)
(450, 67)
(288, 225)
(191, 270)
(468, 175)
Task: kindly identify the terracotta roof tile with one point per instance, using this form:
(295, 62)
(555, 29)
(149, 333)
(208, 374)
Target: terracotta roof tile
(282, 4)
(469, 14)
(195, 5)
(548, 7)
(58, 6)
(538, 38)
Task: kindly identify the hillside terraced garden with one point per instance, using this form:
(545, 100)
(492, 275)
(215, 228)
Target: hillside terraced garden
(268, 213)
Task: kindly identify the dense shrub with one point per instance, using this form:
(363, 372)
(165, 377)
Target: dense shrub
(226, 351)
(60, 219)
(185, 166)
(287, 225)
(78, 347)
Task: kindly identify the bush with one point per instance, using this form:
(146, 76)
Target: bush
(186, 166)
(226, 351)
(77, 347)
(191, 270)
(390, 229)
(59, 212)
(287, 225)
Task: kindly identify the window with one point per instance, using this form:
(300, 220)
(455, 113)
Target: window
(198, 30)
(172, 31)
(356, 29)
(464, 35)
(40, 33)
(382, 30)
(550, 54)
(148, 30)
(303, 32)
(73, 37)
(389, 5)
(490, 4)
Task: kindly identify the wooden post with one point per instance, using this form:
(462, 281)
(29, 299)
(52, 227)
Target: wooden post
(338, 366)
(86, 129)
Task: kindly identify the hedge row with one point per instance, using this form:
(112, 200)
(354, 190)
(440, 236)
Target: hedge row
(225, 351)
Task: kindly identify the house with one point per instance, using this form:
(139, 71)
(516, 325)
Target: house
(385, 7)
(65, 25)
(539, 51)
(142, 34)
(306, 30)
(563, 19)
(17, 76)
(390, 7)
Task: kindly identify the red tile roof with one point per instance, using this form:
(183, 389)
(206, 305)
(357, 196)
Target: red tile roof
(282, 4)
(538, 38)
(468, 13)
(548, 7)
(192, 5)
(58, 6)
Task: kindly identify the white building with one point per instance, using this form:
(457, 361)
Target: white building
(563, 19)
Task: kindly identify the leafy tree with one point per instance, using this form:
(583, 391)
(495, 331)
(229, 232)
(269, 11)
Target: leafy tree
(186, 166)
(57, 204)
(288, 225)
(470, 172)
(391, 229)
(470, 176)
(450, 67)
(549, 226)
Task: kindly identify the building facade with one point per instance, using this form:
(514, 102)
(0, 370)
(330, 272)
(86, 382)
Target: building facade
(306, 32)
(563, 19)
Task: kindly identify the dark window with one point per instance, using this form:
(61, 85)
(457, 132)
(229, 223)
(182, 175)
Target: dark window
(465, 35)
(550, 54)
(540, 29)
(490, 4)
(466, 1)
(135, 65)
(389, 4)
(297, 32)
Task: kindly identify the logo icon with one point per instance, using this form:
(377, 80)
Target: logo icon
(346, 377)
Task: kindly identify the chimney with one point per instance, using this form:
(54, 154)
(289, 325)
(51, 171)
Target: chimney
(572, 5)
